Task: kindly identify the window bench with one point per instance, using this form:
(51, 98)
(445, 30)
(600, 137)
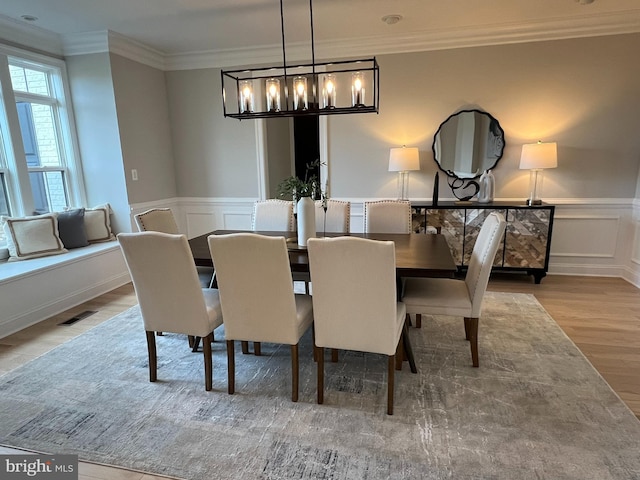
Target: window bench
(36, 289)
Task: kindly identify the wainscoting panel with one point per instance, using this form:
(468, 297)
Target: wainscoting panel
(205, 215)
(598, 236)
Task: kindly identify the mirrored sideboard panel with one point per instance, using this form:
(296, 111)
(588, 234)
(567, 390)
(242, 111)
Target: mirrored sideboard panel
(526, 243)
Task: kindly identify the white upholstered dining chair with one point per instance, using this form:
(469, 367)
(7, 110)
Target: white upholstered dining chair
(337, 219)
(256, 294)
(162, 220)
(273, 215)
(157, 220)
(447, 296)
(355, 302)
(168, 290)
(387, 216)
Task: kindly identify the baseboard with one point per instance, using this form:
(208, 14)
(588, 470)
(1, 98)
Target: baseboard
(44, 311)
(586, 270)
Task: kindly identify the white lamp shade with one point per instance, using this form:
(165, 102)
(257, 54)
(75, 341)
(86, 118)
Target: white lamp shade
(539, 155)
(403, 159)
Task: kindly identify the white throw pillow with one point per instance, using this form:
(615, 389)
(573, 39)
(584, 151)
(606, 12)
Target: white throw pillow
(32, 237)
(98, 224)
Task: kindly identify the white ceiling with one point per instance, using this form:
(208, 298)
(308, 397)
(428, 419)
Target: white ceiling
(187, 27)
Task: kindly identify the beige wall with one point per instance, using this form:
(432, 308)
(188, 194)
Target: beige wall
(98, 134)
(583, 94)
(145, 134)
(214, 156)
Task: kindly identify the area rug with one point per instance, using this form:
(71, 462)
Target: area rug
(535, 408)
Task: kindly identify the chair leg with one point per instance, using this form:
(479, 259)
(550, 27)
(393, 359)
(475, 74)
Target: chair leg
(313, 338)
(391, 375)
(245, 347)
(320, 357)
(153, 358)
(196, 344)
(295, 373)
(399, 354)
(160, 334)
(418, 320)
(334, 355)
(466, 328)
(473, 339)
(208, 362)
(231, 367)
(257, 349)
(407, 320)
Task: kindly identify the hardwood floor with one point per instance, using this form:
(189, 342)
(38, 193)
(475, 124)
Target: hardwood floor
(601, 316)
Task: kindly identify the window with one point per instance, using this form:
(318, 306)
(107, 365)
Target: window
(39, 171)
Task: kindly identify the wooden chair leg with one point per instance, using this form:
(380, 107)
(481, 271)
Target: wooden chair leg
(257, 348)
(160, 334)
(418, 320)
(320, 357)
(473, 339)
(190, 340)
(295, 373)
(153, 358)
(390, 387)
(313, 338)
(334, 355)
(466, 328)
(196, 344)
(231, 367)
(399, 354)
(208, 362)
(245, 347)
(407, 320)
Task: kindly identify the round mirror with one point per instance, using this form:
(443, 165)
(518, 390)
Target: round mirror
(468, 143)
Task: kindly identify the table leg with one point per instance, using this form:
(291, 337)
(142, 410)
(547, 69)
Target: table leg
(406, 343)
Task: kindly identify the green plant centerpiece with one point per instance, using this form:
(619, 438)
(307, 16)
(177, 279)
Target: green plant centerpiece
(294, 188)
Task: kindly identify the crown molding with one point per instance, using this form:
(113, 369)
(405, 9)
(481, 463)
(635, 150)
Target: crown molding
(21, 34)
(124, 46)
(18, 33)
(108, 41)
(506, 33)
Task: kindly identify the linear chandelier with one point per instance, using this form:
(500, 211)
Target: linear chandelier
(326, 88)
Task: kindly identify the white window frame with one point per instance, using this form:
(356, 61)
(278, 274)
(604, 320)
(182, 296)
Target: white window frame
(15, 168)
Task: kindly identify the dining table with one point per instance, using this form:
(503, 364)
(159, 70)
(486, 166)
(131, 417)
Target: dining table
(417, 255)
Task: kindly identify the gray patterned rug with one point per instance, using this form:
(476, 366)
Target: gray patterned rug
(534, 409)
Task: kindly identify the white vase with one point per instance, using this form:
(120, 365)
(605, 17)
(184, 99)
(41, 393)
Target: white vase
(487, 187)
(306, 220)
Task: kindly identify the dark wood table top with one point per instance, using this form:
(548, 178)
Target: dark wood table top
(417, 254)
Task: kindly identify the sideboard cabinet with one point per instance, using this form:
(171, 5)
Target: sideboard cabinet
(524, 247)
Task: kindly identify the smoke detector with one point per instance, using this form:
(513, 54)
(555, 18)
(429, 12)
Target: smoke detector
(391, 19)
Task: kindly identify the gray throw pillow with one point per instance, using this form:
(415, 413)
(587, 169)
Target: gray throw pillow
(71, 228)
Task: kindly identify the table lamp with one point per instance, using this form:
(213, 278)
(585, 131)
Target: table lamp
(403, 160)
(535, 158)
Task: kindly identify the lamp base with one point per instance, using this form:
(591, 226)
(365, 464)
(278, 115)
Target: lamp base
(531, 201)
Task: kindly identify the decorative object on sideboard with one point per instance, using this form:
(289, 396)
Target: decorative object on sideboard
(315, 89)
(403, 160)
(535, 158)
(487, 187)
(466, 144)
(436, 186)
